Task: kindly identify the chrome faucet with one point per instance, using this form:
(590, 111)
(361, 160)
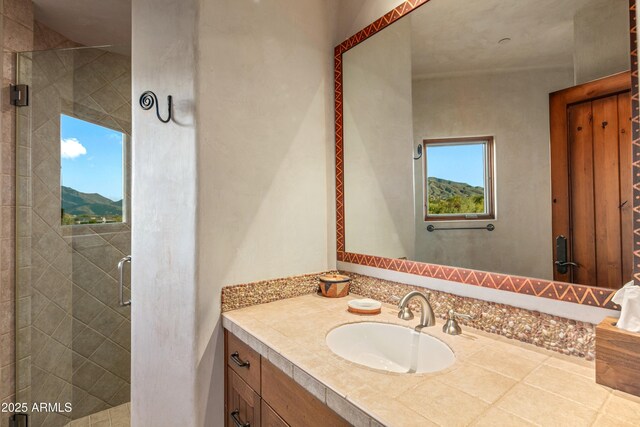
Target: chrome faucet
(427, 318)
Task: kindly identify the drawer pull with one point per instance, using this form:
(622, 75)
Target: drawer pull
(236, 419)
(236, 358)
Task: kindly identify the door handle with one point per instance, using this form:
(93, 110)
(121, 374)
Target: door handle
(566, 263)
(121, 264)
(561, 263)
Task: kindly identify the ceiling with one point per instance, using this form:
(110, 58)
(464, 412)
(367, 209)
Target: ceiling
(88, 22)
(461, 36)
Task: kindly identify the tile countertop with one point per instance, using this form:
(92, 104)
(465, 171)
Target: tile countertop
(494, 381)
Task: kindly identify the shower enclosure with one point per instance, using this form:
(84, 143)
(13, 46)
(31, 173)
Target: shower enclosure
(73, 228)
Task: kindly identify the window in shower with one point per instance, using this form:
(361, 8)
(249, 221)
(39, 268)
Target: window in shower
(92, 184)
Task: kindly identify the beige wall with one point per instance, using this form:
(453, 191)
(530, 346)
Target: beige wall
(514, 108)
(265, 108)
(163, 270)
(601, 40)
(378, 144)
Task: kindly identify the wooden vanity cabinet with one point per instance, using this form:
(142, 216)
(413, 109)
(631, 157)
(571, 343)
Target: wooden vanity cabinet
(258, 394)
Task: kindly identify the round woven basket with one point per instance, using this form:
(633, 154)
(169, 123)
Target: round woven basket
(334, 285)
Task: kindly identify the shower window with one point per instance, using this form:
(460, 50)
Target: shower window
(92, 184)
(458, 179)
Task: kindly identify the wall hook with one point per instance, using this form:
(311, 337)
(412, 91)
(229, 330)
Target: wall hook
(148, 99)
(419, 152)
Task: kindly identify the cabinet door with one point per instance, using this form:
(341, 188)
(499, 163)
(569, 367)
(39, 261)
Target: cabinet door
(243, 404)
(270, 418)
(295, 405)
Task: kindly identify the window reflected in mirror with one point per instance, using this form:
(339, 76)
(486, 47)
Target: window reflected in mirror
(91, 163)
(458, 180)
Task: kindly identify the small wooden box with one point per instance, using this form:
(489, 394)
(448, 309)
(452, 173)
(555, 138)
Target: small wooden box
(617, 357)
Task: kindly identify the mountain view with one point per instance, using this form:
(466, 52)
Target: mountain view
(451, 197)
(88, 208)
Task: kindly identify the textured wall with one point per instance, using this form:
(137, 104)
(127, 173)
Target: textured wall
(164, 214)
(265, 99)
(378, 145)
(601, 39)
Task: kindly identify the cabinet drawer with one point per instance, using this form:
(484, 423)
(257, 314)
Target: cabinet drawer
(293, 403)
(270, 418)
(243, 403)
(243, 360)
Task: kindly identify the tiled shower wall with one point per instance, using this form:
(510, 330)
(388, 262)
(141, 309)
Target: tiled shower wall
(73, 338)
(95, 373)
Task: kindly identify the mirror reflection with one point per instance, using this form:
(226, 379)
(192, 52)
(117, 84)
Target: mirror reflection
(494, 135)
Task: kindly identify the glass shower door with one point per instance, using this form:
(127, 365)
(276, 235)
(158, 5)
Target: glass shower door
(73, 227)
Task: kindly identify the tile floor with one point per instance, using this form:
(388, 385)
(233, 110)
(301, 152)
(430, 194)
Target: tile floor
(120, 416)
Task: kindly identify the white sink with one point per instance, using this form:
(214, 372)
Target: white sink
(390, 348)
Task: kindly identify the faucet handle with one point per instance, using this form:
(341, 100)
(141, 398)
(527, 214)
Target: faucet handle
(405, 313)
(451, 326)
(453, 314)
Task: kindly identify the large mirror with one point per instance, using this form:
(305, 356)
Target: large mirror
(494, 135)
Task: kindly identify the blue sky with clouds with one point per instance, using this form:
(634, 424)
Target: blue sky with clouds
(91, 158)
(460, 163)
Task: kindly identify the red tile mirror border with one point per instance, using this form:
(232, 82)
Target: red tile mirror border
(579, 294)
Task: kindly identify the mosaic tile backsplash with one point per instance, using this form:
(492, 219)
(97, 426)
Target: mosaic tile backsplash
(248, 294)
(555, 333)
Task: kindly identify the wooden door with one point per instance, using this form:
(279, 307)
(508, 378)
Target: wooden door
(598, 212)
(243, 403)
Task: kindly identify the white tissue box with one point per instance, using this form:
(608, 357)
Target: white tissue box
(617, 357)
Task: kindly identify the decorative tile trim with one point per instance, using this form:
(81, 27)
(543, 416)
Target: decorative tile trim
(580, 294)
(568, 292)
(555, 333)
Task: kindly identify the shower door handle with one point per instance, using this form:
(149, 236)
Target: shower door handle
(121, 264)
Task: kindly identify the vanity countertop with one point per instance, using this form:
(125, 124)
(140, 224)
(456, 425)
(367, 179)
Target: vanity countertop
(494, 381)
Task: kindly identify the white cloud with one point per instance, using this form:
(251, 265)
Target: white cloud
(71, 148)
